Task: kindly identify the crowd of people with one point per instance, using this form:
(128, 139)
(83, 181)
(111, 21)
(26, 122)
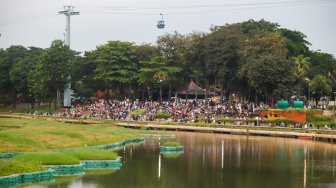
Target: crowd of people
(180, 111)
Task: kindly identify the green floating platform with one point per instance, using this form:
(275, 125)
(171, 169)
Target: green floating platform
(62, 170)
(134, 140)
(18, 179)
(109, 146)
(172, 152)
(8, 155)
(66, 170)
(168, 148)
(102, 164)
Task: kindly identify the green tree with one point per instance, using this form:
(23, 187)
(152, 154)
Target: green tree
(175, 47)
(266, 66)
(252, 27)
(302, 68)
(20, 71)
(84, 83)
(156, 71)
(302, 62)
(222, 57)
(5, 84)
(53, 70)
(320, 85)
(321, 63)
(12, 65)
(194, 58)
(144, 53)
(296, 43)
(116, 65)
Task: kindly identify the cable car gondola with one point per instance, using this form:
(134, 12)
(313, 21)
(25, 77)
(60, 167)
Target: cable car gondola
(161, 23)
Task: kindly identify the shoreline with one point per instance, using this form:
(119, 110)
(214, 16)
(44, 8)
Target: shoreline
(242, 130)
(300, 133)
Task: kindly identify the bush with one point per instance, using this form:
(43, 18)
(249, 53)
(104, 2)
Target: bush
(318, 118)
(311, 112)
(172, 144)
(6, 101)
(295, 110)
(331, 107)
(138, 112)
(162, 115)
(262, 109)
(285, 120)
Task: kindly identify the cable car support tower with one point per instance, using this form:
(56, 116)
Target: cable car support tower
(68, 11)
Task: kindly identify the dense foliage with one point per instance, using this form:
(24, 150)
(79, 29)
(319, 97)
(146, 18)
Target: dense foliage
(257, 59)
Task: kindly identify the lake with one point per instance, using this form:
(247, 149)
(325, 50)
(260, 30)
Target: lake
(215, 160)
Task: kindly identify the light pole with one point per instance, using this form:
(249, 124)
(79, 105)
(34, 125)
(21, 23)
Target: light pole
(313, 98)
(334, 99)
(308, 91)
(334, 107)
(160, 90)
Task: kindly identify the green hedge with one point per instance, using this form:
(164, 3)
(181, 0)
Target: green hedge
(319, 118)
(138, 112)
(331, 107)
(262, 109)
(162, 115)
(295, 110)
(249, 120)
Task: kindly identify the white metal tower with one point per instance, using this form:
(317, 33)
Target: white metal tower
(68, 11)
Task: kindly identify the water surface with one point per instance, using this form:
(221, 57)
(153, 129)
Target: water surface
(216, 160)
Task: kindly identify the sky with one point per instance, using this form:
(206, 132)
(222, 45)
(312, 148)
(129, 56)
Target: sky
(37, 22)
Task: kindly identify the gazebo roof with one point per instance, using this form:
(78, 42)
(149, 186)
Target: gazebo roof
(194, 89)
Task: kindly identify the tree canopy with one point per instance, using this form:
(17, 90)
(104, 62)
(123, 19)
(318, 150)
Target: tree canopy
(257, 59)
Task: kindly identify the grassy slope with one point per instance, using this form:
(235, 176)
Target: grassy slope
(9, 167)
(32, 162)
(44, 135)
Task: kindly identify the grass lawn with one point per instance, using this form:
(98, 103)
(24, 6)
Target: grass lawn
(32, 162)
(67, 157)
(11, 166)
(50, 135)
(43, 136)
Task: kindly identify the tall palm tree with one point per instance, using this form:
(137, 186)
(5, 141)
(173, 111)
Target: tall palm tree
(321, 86)
(303, 66)
(302, 62)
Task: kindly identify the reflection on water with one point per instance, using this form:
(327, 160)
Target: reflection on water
(217, 160)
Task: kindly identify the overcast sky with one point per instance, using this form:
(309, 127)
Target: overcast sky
(37, 22)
